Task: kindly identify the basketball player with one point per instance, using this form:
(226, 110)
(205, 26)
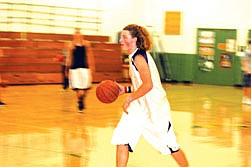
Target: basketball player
(64, 65)
(79, 74)
(246, 66)
(146, 110)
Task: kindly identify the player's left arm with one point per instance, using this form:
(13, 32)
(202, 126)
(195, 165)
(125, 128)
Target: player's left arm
(145, 76)
(90, 56)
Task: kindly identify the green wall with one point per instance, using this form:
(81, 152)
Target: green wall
(218, 75)
(176, 67)
(183, 68)
(187, 67)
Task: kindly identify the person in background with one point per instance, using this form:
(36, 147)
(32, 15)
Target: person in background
(61, 57)
(246, 67)
(64, 72)
(80, 79)
(146, 110)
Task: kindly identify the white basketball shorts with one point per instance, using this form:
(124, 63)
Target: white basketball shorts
(80, 78)
(138, 123)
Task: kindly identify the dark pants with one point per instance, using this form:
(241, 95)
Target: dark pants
(65, 78)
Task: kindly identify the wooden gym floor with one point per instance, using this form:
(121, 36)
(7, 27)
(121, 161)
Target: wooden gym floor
(40, 127)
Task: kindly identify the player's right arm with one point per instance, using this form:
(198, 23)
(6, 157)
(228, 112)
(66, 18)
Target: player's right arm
(69, 58)
(125, 89)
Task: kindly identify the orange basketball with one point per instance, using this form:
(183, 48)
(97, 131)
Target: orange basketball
(107, 91)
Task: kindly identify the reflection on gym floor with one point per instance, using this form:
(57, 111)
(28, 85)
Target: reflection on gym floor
(40, 127)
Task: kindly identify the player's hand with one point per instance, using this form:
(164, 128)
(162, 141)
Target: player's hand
(126, 104)
(121, 89)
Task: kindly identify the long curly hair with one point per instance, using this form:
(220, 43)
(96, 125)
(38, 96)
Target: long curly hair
(144, 40)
